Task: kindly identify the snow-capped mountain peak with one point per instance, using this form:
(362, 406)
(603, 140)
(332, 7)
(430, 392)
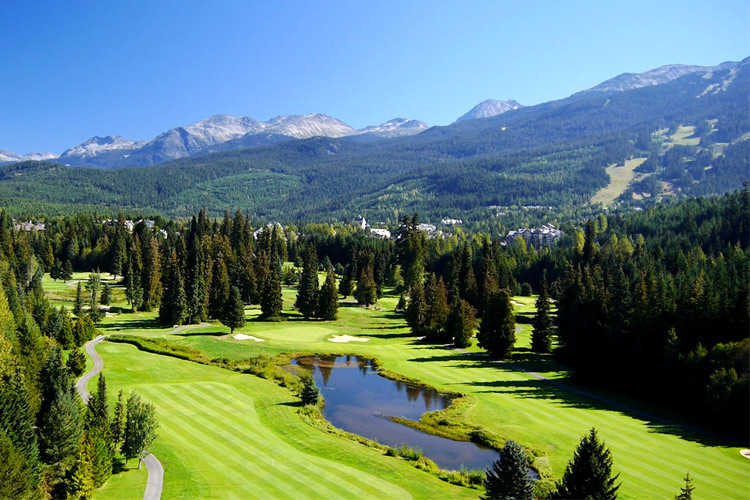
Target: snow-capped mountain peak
(306, 126)
(9, 156)
(99, 145)
(396, 127)
(488, 108)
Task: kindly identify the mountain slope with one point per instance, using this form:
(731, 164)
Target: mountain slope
(658, 76)
(553, 154)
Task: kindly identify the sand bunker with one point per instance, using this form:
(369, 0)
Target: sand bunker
(347, 338)
(242, 336)
(745, 453)
(515, 303)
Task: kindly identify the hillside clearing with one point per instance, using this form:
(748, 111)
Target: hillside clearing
(620, 177)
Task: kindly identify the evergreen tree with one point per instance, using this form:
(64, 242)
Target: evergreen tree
(328, 298)
(133, 290)
(57, 271)
(173, 309)
(93, 285)
(541, 336)
(366, 292)
(59, 435)
(106, 296)
(81, 482)
(234, 311)
(117, 425)
(509, 475)
(220, 288)
(97, 408)
(67, 273)
(310, 394)
(497, 333)
(686, 493)
(401, 305)
(78, 304)
(15, 471)
(67, 337)
(140, 428)
(346, 287)
(99, 433)
(436, 300)
(271, 302)
(76, 362)
(416, 311)
(17, 424)
(461, 324)
(198, 299)
(307, 297)
(589, 472)
(151, 276)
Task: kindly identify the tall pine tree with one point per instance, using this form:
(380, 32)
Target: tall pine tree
(461, 324)
(328, 298)
(173, 309)
(307, 297)
(234, 311)
(271, 302)
(541, 335)
(497, 333)
(509, 475)
(589, 472)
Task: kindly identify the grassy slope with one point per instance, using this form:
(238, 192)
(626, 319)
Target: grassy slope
(652, 458)
(620, 177)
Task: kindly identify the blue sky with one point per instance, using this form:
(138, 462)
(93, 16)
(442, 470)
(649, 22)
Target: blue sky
(71, 70)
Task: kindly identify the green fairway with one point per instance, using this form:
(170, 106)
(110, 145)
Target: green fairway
(229, 435)
(651, 457)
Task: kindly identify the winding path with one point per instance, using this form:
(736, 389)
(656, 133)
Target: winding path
(153, 466)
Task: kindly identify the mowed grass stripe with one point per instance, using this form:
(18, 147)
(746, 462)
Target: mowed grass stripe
(353, 478)
(226, 461)
(322, 486)
(268, 448)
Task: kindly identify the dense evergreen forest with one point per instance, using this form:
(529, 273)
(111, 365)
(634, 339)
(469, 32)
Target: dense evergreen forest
(550, 155)
(654, 304)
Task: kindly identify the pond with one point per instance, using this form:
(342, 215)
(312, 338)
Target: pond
(357, 399)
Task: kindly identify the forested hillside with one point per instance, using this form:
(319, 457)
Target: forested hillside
(693, 132)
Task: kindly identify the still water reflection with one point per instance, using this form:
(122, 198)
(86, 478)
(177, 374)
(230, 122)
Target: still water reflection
(357, 398)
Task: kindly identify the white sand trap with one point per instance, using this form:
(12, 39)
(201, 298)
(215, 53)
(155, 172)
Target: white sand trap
(515, 303)
(242, 336)
(745, 453)
(347, 338)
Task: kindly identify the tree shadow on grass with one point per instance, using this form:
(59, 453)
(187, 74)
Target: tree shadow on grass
(566, 392)
(202, 334)
(384, 335)
(136, 324)
(292, 404)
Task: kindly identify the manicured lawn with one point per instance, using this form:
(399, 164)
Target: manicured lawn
(652, 458)
(229, 435)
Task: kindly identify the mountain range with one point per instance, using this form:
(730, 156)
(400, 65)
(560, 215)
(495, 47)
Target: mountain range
(220, 133)
(678, 132)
